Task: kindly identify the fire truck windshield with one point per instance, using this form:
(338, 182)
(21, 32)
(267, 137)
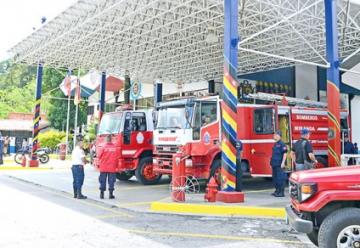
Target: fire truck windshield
(110, 124)
(172, 117)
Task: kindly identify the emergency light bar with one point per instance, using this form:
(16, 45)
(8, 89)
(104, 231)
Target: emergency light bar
(287, 100)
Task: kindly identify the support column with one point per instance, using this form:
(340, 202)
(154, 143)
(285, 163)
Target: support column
(333, 82)
(35, 142)
(211, 87)
(157, 92)
(229, 111)
(102, 95)
(127, 88)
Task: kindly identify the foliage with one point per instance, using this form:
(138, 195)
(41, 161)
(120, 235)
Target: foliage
(90, 135)
(17, 88)
(51, 138)
(15, 75)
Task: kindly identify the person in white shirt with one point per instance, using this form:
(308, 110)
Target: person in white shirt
(78, 162)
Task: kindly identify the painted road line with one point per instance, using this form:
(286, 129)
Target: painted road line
(140, 187)
(214, 236)
(218, 210)
(66, 195)
(108, 216)
(130, 204)
(92, 204)
(22, 168)
(259, 191)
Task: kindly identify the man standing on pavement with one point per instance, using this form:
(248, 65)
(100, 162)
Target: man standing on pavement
(278, 159)
(302, 152)
(78, 162)
(349, 148)
(109, 159)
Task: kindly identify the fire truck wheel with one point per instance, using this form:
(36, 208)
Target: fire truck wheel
(124, 176)
(340, 229)
(216, 171)
(144, 173)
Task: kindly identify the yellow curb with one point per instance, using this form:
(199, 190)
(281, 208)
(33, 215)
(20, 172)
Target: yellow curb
(22, 168)
(218, 210)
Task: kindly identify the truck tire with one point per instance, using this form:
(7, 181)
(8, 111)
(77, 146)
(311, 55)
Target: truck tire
(216, 171)
(332, 230)
(313, 236)
(144, 172)
(124, 176)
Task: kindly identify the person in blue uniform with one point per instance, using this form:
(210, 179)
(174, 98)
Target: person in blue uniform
(278, 159)
(349, 148)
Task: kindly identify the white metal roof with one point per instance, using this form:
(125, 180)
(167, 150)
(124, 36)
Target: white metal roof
(168, 38)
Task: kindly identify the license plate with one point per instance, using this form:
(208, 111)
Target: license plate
(166, 149)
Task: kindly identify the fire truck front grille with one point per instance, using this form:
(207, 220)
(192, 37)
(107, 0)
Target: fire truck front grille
(294, 190)
(167, 149)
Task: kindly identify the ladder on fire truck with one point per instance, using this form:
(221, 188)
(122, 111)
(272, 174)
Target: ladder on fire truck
(284, 100)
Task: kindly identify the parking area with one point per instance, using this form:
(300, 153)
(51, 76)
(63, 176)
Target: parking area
(136, 197)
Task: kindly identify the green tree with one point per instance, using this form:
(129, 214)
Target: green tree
(51, 138)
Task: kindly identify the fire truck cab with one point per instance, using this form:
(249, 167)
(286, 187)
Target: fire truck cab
(132, 133)
(192, 127)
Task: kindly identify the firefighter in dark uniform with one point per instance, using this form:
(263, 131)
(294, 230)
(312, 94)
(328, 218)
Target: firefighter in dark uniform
(278, 159)
(349, 148)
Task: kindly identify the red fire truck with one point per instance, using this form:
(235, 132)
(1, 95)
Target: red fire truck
(192, 127)
(132, 132)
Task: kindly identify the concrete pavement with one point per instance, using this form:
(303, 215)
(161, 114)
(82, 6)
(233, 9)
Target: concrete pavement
(37, 216)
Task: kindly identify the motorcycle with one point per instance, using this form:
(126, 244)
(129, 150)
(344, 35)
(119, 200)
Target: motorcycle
(41, 153)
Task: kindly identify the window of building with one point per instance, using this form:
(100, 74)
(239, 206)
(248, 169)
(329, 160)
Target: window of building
(264, 121)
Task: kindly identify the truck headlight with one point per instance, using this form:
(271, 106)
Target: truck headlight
(154, 161)
(307, 190)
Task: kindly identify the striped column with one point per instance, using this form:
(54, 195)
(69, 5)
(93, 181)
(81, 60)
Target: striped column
(229, 125)
(34, 162)
(333, 81)
(102, 95)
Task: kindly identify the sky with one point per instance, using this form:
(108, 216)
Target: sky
(18, 17)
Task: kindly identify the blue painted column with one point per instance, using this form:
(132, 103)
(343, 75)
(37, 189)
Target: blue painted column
(35, 142)
(229, 104)
(333, 92)
(102, 95)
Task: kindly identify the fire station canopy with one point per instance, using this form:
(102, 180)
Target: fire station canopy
(183, 39)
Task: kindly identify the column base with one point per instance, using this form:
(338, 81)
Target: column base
(230, 197)
(33, 163)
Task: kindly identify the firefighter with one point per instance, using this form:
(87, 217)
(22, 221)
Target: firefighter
(277, 163)
(349, 148)
(302, 152)
(108, 166)
(78, 162)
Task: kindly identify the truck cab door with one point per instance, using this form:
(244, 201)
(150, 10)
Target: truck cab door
(136, 135)
(264, 125)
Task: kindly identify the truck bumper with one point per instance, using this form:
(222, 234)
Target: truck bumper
(300, 225)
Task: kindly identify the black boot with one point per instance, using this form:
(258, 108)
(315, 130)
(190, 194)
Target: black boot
(80, 195)
(275, 192)
(111, 194)
(75, 192)
(280, 193)
(101, 194)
